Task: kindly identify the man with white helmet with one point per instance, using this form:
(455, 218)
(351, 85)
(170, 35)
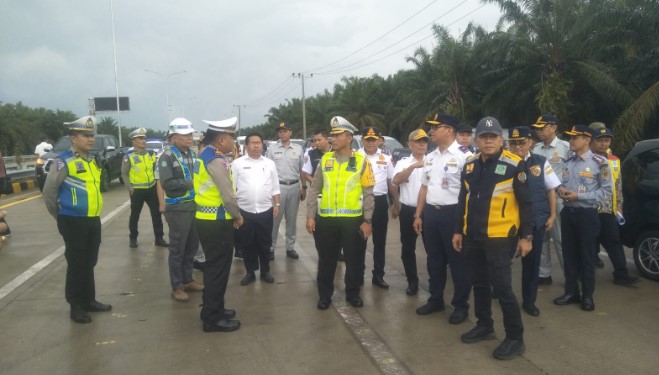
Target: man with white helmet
(176, 167)
(138, 170)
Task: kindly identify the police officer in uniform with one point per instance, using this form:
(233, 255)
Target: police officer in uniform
(494, 214)
(72, 195)
(138, 173)
(321, 146)
(383, 169)
(408, 176)
(586, 183)
(289, 159)
(542, 181)
(217, 215)
(435, 217)
(175, 168)
(556, 152)
(342, 218)
(609, 236)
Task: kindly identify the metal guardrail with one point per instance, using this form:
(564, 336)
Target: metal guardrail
(20, 166)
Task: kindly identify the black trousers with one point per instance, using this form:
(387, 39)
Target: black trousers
(137, 200)
(256, 239)
(408, 240)
(489, 268)
(331, 235)
(438, 225)
(380, 226)
(609, 238)
(579, 230)
(82, 238)
(216, 237)
(531, 267)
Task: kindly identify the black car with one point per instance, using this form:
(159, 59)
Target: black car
(640, 185)
(107, 153)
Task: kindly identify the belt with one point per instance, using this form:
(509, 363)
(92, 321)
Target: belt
(289, 183)
(438, 207)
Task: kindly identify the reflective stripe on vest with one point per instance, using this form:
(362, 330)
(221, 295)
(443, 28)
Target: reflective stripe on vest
(207, 196)
(614, 164)
(141, 173)
(342, 188)
(80, 193)
(189, 196)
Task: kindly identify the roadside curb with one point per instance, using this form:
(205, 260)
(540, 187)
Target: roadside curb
(24, 185)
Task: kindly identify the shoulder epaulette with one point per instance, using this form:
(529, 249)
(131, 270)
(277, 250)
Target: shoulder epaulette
(600, 160)
(464, 149)
(510, 158)
(472, 158)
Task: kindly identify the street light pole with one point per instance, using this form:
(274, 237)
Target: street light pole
(168, 110)
(238, 128)
(116, 74)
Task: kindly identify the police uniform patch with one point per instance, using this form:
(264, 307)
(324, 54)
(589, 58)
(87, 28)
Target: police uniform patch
(60, 164)
(501, 169)
(136, 159)
(521, 176)
(535, 170)
(605, 173)
(80, 167)
(329, 165)
(163, 163)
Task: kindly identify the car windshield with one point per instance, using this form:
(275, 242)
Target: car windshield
(392, 143)
(64, 144)
(154, 145)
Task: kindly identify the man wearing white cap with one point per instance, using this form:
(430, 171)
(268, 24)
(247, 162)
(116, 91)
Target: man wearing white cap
(217, 215)
(72, 194)
(342, 218)
(138, 169)
(176, 167)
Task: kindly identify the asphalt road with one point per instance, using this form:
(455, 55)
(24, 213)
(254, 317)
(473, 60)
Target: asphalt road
(282, 331)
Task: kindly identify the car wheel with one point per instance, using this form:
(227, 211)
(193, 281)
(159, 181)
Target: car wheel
(105, 180)
(646, 255)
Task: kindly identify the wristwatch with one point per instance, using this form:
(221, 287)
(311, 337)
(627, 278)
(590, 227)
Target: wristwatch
(417, 216)
(528, 238)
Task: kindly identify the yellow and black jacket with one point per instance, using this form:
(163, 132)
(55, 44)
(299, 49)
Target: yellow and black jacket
(495, 199)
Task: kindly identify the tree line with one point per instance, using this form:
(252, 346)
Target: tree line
(581, 60)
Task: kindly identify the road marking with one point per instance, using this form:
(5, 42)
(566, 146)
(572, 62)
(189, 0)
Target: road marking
(20, 201)
(370, 341)
(50, 258)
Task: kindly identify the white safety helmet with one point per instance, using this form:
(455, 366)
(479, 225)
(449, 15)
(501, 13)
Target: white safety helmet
(180, 126)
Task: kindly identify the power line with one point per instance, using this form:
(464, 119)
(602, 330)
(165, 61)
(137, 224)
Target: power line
(273, 92)
(376, 40)
(396, 43)
(349, 67)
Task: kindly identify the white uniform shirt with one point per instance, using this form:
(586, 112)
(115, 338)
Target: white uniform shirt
(550, 177)
(383, 169)
(441, 174)
(307, 167)
(41, 148)
(409, 190)
(256, 182)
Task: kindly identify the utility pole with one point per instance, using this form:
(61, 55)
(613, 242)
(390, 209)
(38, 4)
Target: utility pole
(238, 128)
(116, 74)
(304, 111)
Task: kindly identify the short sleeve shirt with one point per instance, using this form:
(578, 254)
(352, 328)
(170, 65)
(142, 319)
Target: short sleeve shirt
(409, 190)
(442, 172)
(288, 160)
(383, 170)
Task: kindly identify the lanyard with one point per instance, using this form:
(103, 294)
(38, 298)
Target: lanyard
(184, 165)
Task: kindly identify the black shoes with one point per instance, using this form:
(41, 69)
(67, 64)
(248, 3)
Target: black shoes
(587, 304)
(224, 325)
(95, 306)
(238, 253)
(545, 280)
(79, 315)
(458, 316)
(509, 349)
(567, 299)
(267, 277)
(429, 308)
(412, 288)
(132, 243)
(291, 254)
(355, 301)
(199, 265)
(531, 309)
(160, 242)
(477, 334)
(625, 280)
(379, 282)
(323, 304)
(248, 278)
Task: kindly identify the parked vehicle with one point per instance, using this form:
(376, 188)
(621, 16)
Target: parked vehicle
(106, 151)
(155, 145)
(640, 185)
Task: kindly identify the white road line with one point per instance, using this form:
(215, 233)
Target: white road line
(370, 341)
(50, 258)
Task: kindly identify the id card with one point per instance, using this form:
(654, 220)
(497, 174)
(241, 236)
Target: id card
(444, 182)
(581, 189)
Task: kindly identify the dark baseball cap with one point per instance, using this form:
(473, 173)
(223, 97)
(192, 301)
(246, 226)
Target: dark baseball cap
(488, 125)
(283, 125)
(443, 119)
(371, 133)
(580, 130)
(602, 132)
(545, 120)
(463, 127)
(519, 133)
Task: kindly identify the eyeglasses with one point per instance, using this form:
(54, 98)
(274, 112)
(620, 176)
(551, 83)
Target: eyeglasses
(517, 143)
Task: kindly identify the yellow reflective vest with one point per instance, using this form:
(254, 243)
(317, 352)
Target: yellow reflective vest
(141, 173)
(342, 185)
(210, 205)
(80, 193)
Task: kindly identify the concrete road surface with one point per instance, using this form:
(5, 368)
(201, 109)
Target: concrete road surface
(282, 332)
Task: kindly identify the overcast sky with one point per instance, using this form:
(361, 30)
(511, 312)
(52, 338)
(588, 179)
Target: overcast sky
(57, 54)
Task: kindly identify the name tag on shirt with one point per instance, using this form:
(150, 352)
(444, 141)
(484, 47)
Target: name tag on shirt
(444, 182)
(501, 169)
(80, 167)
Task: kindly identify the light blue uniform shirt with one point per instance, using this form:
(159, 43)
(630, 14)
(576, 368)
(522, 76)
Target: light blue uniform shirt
(590, 177)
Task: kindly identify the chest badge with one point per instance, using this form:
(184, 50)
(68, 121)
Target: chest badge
(501, 169)
(535, 170)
